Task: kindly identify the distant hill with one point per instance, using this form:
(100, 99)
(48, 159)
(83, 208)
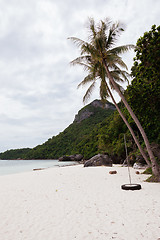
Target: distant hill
(14, 153)
(70, 141)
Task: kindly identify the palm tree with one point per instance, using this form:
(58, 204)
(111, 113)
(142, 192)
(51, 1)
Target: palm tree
(97, 72)
(100, 51)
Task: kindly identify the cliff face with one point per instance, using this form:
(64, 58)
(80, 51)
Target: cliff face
(83, 115)
(90, 109)
(107, 105)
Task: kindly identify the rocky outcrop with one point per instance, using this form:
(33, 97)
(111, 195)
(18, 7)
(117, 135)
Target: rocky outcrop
(107, 105)
(76, 157)
(89, 110)
(83, 115)
(99, 160)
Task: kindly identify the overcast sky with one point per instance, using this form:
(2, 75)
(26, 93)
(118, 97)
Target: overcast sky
(38, 87)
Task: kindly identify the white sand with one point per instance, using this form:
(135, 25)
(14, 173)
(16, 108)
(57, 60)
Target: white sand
(78, 203)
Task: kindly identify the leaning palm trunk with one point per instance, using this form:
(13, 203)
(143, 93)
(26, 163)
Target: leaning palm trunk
(155, 166)
(129, 127)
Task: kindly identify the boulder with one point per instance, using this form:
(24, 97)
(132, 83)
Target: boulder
(139, 166)
(71, 158)
(64, 158)
(76, 157)
(99, 160)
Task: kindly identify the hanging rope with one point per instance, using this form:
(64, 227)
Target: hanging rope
(129, 174)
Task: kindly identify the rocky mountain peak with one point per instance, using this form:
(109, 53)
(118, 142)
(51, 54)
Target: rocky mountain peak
(98, 103)
(90, 109)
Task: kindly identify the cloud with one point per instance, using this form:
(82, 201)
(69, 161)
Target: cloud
(38, 93)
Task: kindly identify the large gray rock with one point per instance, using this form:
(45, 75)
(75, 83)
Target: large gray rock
(82, 115)
(76, 157)
(64, 158)
(99, 160)
(139, 166)
(107, 105)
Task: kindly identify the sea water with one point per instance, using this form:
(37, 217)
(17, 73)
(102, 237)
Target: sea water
(17, 166)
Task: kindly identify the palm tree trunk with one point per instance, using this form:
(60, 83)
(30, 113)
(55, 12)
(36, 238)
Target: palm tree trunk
(155, 166)
(129, 127)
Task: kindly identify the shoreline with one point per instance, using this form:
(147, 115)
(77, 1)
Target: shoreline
(74, 202)
(8, 167)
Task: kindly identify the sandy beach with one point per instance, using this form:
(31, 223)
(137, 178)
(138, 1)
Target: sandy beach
(79, 203)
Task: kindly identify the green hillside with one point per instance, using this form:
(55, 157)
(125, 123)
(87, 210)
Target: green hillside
(71, 139)
(68, 141)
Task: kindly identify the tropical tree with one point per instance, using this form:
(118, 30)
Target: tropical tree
(145, 86)
(99, 54)
(97, 72)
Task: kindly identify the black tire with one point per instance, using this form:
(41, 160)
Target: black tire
(131, 187)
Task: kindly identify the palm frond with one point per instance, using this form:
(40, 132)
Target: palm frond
(125, 76)
(121, 49)
(89, 92)
(114, 32)
(119, 75)
(87, 48)
(89, 78)
(80, 60)
(115, 75)
(114, 60)
(79, 42)
(118, 85)
(92, 28)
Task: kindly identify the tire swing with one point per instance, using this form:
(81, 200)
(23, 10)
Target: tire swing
(130, 185)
